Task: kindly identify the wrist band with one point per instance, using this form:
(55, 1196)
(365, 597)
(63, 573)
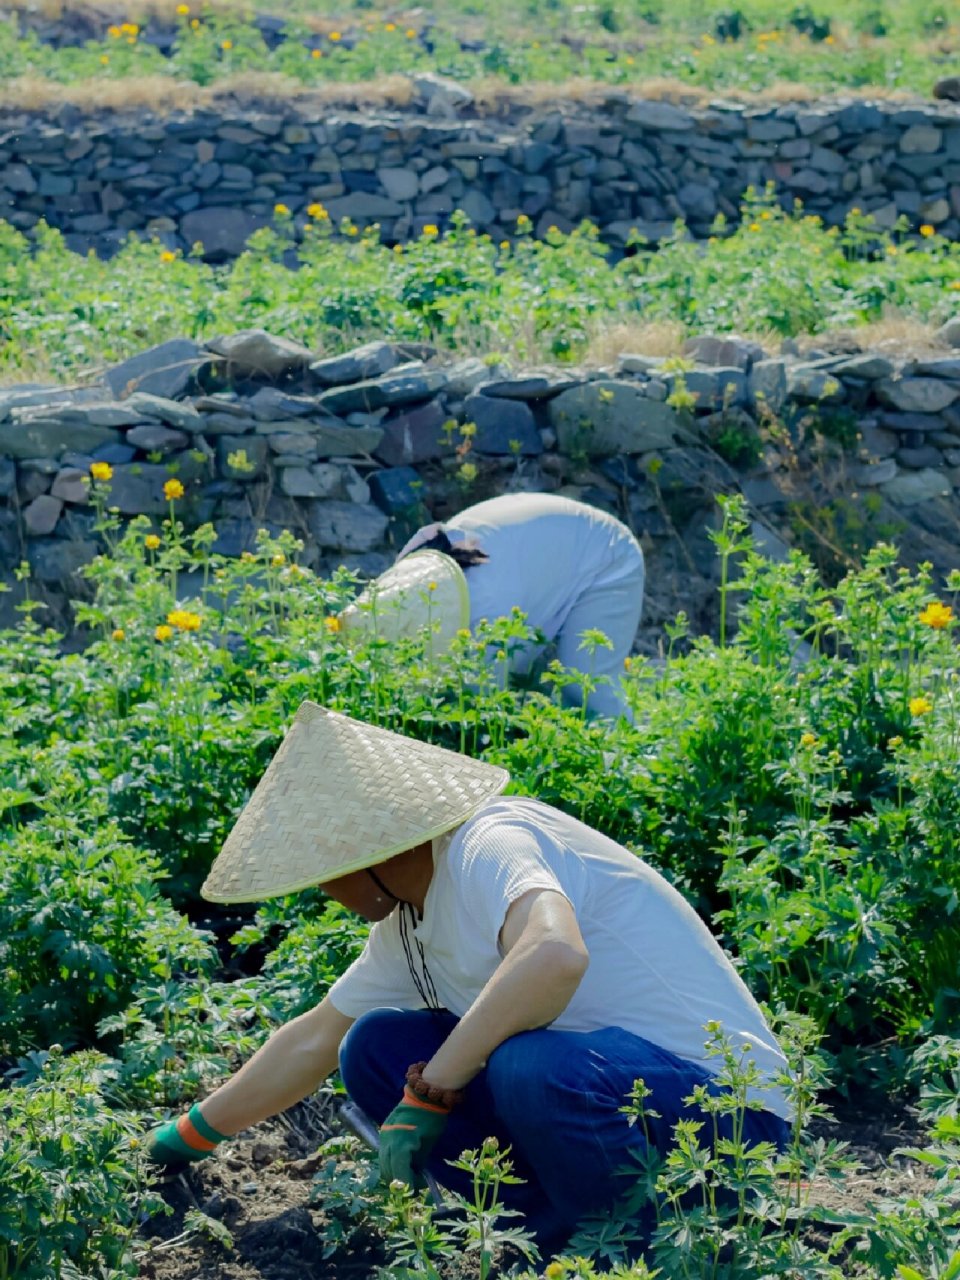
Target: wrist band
(448, 1098)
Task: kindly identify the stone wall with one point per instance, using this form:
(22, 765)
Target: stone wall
(214, 176)
(353, 452)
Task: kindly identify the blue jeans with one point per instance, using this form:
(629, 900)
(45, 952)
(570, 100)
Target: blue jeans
(553, 1097)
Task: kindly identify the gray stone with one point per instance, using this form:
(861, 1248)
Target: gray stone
(27, 395)
(870, 368)
(917, 457)
(168, 370)
(534, 386)
(58, 562)
(769, 544)
(137, 489)
(364, 206)
(396, 490)
(48, 437)
(72, 485)
(767, 385)
(172, 412)
(223, 231)
(478, 208)
(877, 442)
(322, 481)
(949, 332)
(917, 395)
(271, 404)
(911, 422)
(808, 383)
(406, 384)
(941, 367)
(873, 473)
(18, 178)
(8, 477)
(290, 444)
(254, 353)
(369, 361)
(921, 139)
(698, 201)
(242, 457)
(466, 376)
(41, 515)
(157, 439)
(728, 351)
(345, 526)
(712, 388)
(415, 435)
(399, 184)
(503, 426)
(659, 115)
(605, 417)
(912, 487)
(762, 492)
(93, 415)
(443, 97)
(332, 441)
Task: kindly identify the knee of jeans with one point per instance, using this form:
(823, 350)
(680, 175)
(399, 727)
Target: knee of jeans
(361, 1045)
(521, 1070)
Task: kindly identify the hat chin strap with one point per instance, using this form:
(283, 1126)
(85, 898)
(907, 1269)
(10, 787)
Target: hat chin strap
(381, 886)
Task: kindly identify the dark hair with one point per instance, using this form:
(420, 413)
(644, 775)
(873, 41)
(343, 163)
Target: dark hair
(466, 554)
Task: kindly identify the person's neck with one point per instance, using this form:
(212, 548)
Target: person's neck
(408, 875)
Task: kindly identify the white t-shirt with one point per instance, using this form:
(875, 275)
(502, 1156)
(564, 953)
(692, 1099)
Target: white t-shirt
(655, 969)
(544, 552)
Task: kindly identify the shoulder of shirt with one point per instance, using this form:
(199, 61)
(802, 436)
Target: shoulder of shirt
(502, 811)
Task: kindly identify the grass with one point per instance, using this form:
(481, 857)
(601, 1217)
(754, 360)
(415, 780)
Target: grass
(558, 299)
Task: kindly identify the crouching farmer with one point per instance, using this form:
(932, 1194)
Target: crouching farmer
(521, 973)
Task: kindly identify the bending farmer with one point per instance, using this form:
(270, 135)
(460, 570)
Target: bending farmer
(523, 971)
(566, 565)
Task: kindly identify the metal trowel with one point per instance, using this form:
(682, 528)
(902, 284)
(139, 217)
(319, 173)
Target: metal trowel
(359, 1123)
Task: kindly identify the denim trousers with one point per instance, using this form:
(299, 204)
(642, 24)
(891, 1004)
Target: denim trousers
(553, 1097)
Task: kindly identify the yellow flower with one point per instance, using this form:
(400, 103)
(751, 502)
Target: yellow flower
(130, 29)
(430, 230)
(410, 33)
(119, 634)
(808, 739)
(389, 26)
(333, 625)
(398, 248)
(335, 36)
(114, 33)
(937, 615)
(226, 45)
(316, 53)
(173, 489)
(281, 211)
(101, 470)
(893, 743)
(927, 231)
(829, 40)
(152, 542)
(168, 256)
(920, 706)
(766, 215)
(754, 226)
(184, 620)
(431, 586)
(463, 633)
(627, 663)
(555, 1270)
(278, 559)
(892, 250)
(316, 210)
(163, 632)
(954, 284)
(183, 10)
(105, 59)
(195, 23)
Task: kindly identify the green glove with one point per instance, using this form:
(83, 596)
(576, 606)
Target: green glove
(180, 1142)
(407, 1136)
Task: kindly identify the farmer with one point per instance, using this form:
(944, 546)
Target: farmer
(521, 973)
(567, 566)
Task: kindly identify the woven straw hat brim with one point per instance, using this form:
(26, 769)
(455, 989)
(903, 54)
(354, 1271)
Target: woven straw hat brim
(424, 589)
(339, 796)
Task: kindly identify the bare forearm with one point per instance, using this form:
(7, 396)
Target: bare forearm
(530, 989)
(292, 1064)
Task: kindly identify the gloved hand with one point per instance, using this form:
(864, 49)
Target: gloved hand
(180, 1142)
(407, 1137)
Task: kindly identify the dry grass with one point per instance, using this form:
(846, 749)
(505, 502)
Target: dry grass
(895, 334)
(650, 338)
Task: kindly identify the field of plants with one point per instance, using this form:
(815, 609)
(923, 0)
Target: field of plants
(810, 809)
(744, 47)
(774, 275)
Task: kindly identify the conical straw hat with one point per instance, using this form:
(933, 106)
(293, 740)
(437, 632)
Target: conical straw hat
(341, 795)
(425, 589)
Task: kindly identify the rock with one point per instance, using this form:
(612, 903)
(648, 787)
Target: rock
(345, 526)
(916, 458)
(72, 485)
(321, 481)
(254, 353)
(404, 385)
(168, 370)
(503, 426)
(921, 139)
(442, 97)
(137, 488)
(172, 412)
(948, 88)
(223, 230)
(414, 436)
(767, 385)
(58, 562)
(873, 473)
(466, 376)
(331, 440)
(271, 404)
(41, 515)
(712, 388)
(534, 386)
(910, 422)
(399, 184)
(912, 487)
(91, 415)
(242, 457)
(949, 332)
(607, 417)
(763, 491)
(730, 351)
(658, 116)
(942, 367)
(8, 477)
(290, 444)
(157, 439)
(363, 206)
(631, 362)
(769, 544)
(397, 490)
(877, 442)
(917, 395)
(869, 368)
(48, 437)
(369, 361)
(810, 384)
